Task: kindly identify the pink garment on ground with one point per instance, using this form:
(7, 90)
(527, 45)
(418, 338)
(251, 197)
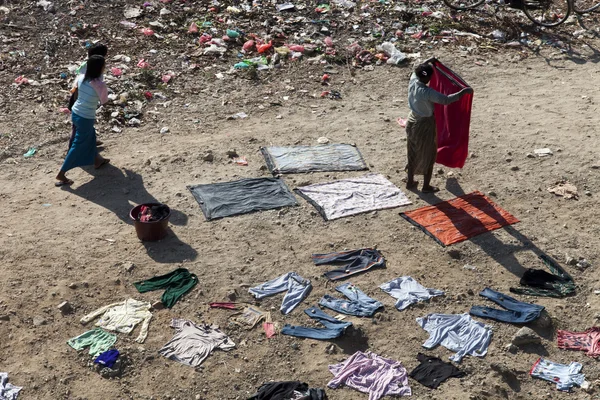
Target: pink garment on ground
(372, 374)
(269, 328)
(452, 121)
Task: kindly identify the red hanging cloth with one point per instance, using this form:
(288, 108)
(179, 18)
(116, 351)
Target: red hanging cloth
(452, 121)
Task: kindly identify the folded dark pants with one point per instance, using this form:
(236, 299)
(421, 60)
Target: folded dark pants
(356, 261)
(333, 328)
(516, 311)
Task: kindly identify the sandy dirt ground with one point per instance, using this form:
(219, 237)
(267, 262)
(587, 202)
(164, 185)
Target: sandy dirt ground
(74, 243)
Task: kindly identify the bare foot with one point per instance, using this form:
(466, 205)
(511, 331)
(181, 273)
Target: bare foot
(102, 162)
(430, 189)
(412, 184)
(66, 182)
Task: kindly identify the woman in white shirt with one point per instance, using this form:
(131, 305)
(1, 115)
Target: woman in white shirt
(91, 91)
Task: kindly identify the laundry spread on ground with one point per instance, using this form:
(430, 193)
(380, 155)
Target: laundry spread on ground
(459, 219)
(334, 328)
(8, 391)
(176, 284)
(357, 303)
(321, 158)
(289, 390)
(458, 333)
(536, 282)
(516, 312)
(352, 261)
(226, 199)
(193, 343)
(98, 340)
(371, 374)
(353, 196)
(565, 376)
(153, 213)
(107, 358)
(123, 317)
(249, 317)
(432, 371)
(407, 291)
(452, 120)
(295, 286)
(588, 341)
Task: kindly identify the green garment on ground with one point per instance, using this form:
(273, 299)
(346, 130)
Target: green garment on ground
(176, 283)
(564, 286)
(97, 339)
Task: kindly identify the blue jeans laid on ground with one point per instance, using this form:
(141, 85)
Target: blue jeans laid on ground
(358, 303)
(356, 261)
(516, 311)
(296, 286)
(333, 328)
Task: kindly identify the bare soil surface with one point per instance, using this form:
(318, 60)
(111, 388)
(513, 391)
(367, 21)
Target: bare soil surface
(75, 243)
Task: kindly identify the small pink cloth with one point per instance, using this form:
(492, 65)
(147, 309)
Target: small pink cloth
(372, 374)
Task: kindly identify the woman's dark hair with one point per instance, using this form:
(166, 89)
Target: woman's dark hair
(98, 49)
(95, 64)
(424, 72)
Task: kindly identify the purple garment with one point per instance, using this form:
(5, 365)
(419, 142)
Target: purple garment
(372, 374)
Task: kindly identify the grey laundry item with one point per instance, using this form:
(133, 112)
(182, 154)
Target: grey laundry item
(456, 332)
(408, 291)
(297, 289)
(565, 376)
(327, 157)
(193, 343)
(8, 391)
(226, 199)
(353, 196)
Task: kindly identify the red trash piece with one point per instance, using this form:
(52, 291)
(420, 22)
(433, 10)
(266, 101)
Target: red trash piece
(229, 306)
(328, 41)
(248, 46)
(263, 48)
(143, 64)
(296, 47)
(205, 38)
(116, 71)
(148, 95)
(193, 28)
(147, 31)
(452, 121)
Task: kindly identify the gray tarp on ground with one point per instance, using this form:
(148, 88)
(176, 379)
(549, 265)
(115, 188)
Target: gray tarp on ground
(322, 158)
(226, 199)
(352, 196)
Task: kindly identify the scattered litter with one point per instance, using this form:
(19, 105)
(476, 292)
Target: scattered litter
(565, 189)
(240, 115)
(30, 153)
(543, 152)
(322, 140)
(241, 161)
(402, 122)
(164, 130)
(133, 12)
(8, 391)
